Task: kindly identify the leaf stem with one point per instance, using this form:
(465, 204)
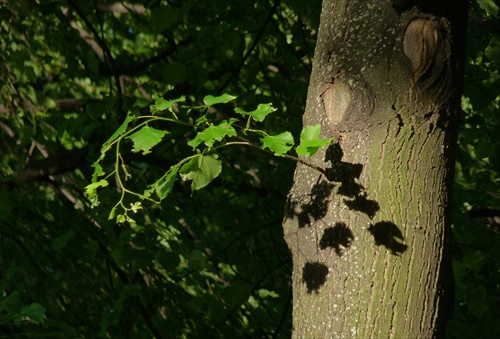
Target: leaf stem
(286, 156)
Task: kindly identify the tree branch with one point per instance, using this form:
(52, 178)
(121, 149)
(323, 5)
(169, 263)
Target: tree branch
(122, 7)
(97, 44)
(480, 20)
(268, 20)
(53, 165)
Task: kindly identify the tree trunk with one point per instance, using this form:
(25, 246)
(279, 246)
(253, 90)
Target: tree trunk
(368, 237)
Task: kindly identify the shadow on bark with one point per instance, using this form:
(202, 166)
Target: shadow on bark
(317, 206)
(314, 276)
(388, 235)
(337, 237)
(340, 237)
(348, 175)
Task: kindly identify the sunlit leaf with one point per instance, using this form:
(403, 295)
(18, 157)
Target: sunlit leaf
(98, 171)
(162, 104)
(120, 130)
(136, 206)
(91, 191)
(212, 134)
(263, 293)
(279, 144)
(309, 141)
(210, 100)
(146, 138)
(259, 114)
(489, 6)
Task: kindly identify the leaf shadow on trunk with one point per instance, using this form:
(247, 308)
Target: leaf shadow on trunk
(345, 176)
(314, 276)
(385, 233)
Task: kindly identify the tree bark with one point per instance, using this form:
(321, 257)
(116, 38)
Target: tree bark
(369, 238)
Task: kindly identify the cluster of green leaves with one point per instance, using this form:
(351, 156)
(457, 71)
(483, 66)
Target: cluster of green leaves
(203, 166)
(211, 264)
(13, 311)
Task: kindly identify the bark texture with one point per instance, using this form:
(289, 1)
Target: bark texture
(368, 239)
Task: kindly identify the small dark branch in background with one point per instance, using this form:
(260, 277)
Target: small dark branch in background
(480, 20)
(54, 165)
(104, 52)
(143, 65)
(256, 41)
(121, 7)
(491, 217)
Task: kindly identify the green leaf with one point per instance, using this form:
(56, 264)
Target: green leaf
(118, 132)
(120, 218)
(112, 213)
(279, 144)
(162, 104)
(145, 138)
(12, 303)
(258, 114)
(237, 293)
(213, 133)
(6, 205)
(489, 6)
(168, 260)
(164, 185)
(34, 313)
(210, 100)
(136, 206)
(263, 293)
(162, 18)
(62, 240)
(98, 171)
(309, 141)
(91, 192)
(201, 171)
(473, 259)
(493, 49)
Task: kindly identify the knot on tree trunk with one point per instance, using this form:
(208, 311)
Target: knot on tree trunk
(426, 44)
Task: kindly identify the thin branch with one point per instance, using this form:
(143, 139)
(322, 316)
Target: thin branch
(269, 18)
(96, 41)
(122, 7)
(480, 20)
(53, 165)
(286, 156)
